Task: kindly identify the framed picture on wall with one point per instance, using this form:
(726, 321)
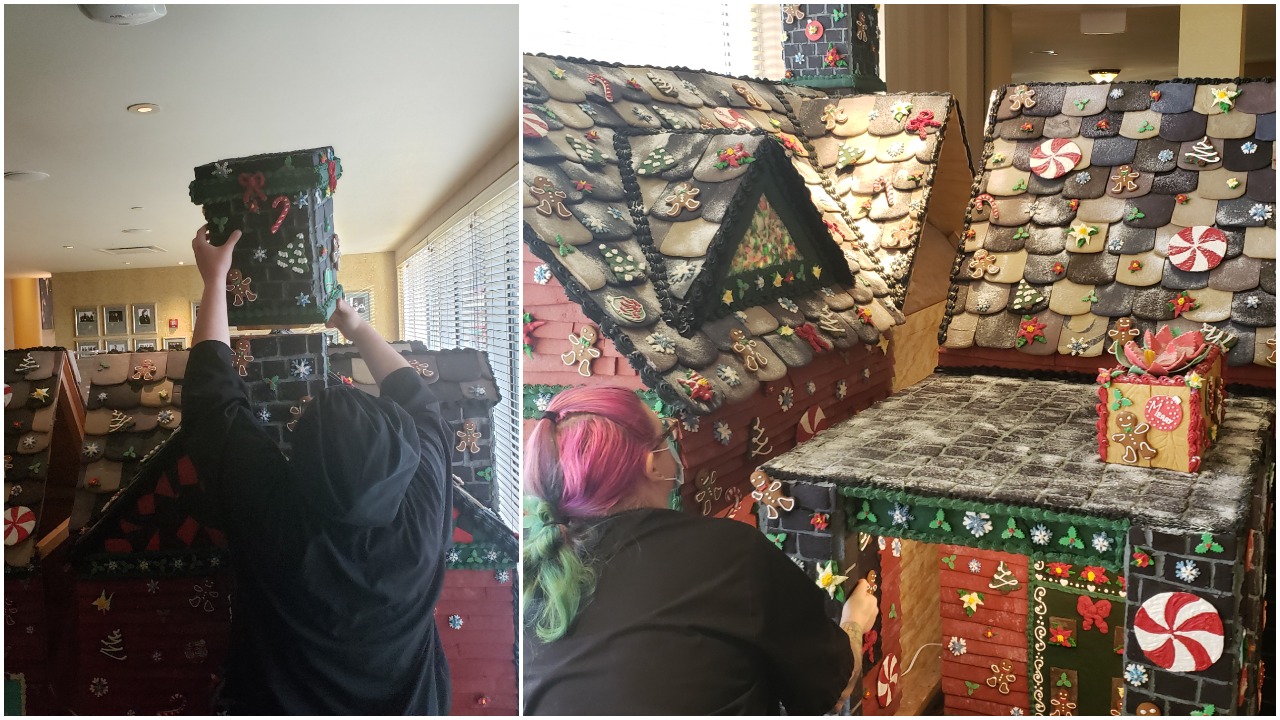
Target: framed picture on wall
(362, 303)
(175, 343)
(144, 344)
(44, 287)
(115, 320)
(117, 345)
(144, 318)
(195, 311)
(86, 321)
(85, 348)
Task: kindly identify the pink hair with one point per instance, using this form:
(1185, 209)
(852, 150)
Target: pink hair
(590, 453)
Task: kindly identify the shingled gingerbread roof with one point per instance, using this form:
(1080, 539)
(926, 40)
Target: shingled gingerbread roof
(1095, 202)
(32, 385)
(679, 208)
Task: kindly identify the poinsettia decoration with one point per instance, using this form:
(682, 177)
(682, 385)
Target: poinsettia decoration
(1030, 330)
(1164, 353)
(1141, 558)
(833, 58)
(1181, 303)
(732, 157)
(1095, 575)
(1061, 635)
(1059, 570)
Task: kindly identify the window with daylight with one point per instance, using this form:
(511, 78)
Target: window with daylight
(462, 289)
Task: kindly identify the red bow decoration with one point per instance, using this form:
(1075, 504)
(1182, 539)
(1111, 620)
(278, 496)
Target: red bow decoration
(1093, 613)
(869, 645)
(253, 185)
(921, 123)
(809, 333)
(333, 175)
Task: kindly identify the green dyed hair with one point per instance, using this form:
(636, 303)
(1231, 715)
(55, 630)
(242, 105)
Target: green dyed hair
(557, 577)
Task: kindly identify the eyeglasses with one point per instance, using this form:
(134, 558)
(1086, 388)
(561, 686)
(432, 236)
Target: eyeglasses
(669, 426)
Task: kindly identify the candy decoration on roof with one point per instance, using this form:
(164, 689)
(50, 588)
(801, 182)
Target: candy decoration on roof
(145, 371)
(1198, 248)
(696, 386)
(606, 87)
(921, 123)
(656, 162)
(550, 198)
(1021, 97)
(27, 365)
(626, 308)
(664, 87)
(833, 115)
(19, 523)
(768, 492)
(809, 334)
(581, 352)
(1179, 632)
(1181, 303)
(1202, 153)
(119, 421)
(468, 437)
(887, 680)
(1054, 158)
(732, 157)
(532, 124)
(986, 199)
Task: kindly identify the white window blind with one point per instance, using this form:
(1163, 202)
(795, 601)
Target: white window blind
(462, 289)
(713, 36)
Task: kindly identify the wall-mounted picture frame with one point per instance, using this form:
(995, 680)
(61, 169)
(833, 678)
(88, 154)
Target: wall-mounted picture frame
(175, 343)
(115, 320)
(145, 344)
(86, 348)
(362, 303)
(195, 312)
(117, 345)
(144, 318)
(44, 286)
(86, 321)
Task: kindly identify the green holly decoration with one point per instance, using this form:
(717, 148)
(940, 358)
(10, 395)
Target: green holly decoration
(866, 514)
(971, 686)
(1207, 710)
(656, 162)
(949, 561)
(837, 15)
(1021, 233)
(893, 611)
(563, 248)
(1120, 400)
(1063, 681)
(1090, 298)
(939, 522)
(130, 453)
(486, 474)
(1019, 186)
(1207, 544)
(273, 382)
(777, 538)
(1012, 531)
(1071, 540)
(1146, 127)
(35, 467)
(1134, 214)
(1081, 103)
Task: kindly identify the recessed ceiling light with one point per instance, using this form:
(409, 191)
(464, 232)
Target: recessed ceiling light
(136, 207)
(143, 108)
(67, 247)
(136, 230)
(180, 262)
(1043, 52)
(25, 175)
(127, 262)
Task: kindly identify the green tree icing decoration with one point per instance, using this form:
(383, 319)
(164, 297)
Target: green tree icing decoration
(656, 162)
(1025, 297)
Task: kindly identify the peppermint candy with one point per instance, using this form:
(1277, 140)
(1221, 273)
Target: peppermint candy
(1198, 248)
(1179, 632)
(19, 523)
(887, 680)
(533, 125)
(1054, 158)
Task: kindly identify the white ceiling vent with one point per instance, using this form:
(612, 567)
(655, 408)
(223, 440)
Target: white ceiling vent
(135, 250)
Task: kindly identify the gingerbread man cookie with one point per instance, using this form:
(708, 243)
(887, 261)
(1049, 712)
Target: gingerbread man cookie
(469, 437)
(240, 357)
(1133, 438)
(238, 286)
(582, 353)
(1123, 332)
(550, 198)
(768, 492)
(746, 349)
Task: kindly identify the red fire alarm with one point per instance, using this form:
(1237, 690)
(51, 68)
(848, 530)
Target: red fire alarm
(173, 323)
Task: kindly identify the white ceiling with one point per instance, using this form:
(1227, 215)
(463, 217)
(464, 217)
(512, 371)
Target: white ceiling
(412, 98)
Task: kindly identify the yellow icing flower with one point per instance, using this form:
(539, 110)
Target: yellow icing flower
(786, 331)
(727, 298)
(817, 271)
(1195, 381)
(1224, 96)
(1233, 183)
(777, 280)
(1081, 233)
(828, 579)
(971, 601)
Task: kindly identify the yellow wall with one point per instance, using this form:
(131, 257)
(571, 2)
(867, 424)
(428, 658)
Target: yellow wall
(173, 289)
(24, 311)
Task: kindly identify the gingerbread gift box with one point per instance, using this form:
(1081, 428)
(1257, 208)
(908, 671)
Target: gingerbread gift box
(1162, 406)
(284, 270)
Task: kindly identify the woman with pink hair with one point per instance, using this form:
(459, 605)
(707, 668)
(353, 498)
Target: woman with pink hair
(632, 608)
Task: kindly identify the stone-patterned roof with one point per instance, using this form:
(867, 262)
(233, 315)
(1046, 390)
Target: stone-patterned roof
(641, 181)
(32, 383)
(1029, 442)
(1098, 202)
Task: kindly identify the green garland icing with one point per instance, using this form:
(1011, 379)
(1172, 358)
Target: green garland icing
(479, 556)
(940, 520)
(164, 563)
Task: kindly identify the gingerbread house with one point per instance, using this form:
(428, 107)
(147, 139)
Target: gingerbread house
(1070, 585)
(43, 425)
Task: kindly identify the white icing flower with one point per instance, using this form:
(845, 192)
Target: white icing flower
(723, 434)
(842, 389)
(728, 375)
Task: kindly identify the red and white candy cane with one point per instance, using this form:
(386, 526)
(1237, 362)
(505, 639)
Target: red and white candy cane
(1054, 158)
(603, 82)
(882, 184)
(986, 199)
(1197, 248)
(283, 213)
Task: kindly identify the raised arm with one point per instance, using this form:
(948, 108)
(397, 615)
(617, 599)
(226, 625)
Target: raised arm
(214, 263)
(377, 353)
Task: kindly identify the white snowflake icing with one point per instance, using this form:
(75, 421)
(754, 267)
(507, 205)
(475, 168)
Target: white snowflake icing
(1101, 542)
(1186, 571)
(264, 415)
(1116, 245)
(786, 399)
(259, 255)
(895, 150)
(723, 434)
(1116, 93)
(1083, 178)
(1260, 212)
(900, 514)
(1249, 148)
(661, 344)
(90, 449)
(451, 556)
(542, 274)
(977, 523)
(759, 282)
(873, 114)
(1040, 535)
(595, 225)
(165, 416)
(1252, 301)
(958, 646)
(842, 389)
(102, 397)
(788, 304)
(1077, 345)
(728, 375)
(975, 567)
(690, 423)
(222, 169)
(811, 386)
(1165, 156)
(301, 369)
(1135, 675)
(543, 401)
(502, 576)
(455, 622)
